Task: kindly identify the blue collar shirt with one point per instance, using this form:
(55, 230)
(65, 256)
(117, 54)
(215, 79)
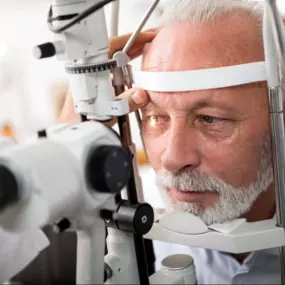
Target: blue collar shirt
(215, 267)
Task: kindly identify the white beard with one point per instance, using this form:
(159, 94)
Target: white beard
(232, 203)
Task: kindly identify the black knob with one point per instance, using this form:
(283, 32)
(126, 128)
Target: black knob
(108, 168)
(45, 50)
(136, 219)
(62, 226)
(9, 188)
(42, 133)
(107, 272)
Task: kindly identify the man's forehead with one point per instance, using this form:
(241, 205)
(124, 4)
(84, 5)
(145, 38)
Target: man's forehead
(232, 99)
(189, 46)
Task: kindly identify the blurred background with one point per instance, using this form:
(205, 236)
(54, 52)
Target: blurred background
(32, 91)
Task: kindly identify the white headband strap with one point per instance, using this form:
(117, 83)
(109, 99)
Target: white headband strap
(179, 81)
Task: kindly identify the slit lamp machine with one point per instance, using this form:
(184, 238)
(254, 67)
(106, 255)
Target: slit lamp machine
(83, 177)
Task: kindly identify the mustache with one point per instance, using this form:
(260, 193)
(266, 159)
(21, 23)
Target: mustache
(189, 181)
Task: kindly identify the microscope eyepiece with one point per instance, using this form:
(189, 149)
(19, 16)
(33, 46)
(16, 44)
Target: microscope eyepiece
(9, 188)
(108, 168)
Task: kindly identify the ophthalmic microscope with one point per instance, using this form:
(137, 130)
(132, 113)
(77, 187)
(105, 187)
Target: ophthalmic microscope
(83, 177)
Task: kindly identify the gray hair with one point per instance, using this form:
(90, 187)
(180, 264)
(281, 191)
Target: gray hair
(201, 11)
(207, 10)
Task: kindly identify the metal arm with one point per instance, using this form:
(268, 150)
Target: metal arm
(274, 47)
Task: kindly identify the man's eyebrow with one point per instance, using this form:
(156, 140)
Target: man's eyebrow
(204, 103)
(198, 104)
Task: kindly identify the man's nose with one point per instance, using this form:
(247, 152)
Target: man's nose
(180, 151)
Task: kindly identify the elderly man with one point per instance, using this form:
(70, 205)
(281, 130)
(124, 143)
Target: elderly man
(211, 148)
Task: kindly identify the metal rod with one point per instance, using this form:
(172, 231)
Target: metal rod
(140, 27)
(133, 199)
(278, 27)
(125, 132)
(278, 150)
(282, 263)
(132, 188)
(274, 44)
(114, 18)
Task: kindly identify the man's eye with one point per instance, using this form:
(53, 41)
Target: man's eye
(210, 120)
(156, 120)
(155, 125)
(152, 120)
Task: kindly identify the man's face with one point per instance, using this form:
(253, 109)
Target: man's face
(210, 148)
